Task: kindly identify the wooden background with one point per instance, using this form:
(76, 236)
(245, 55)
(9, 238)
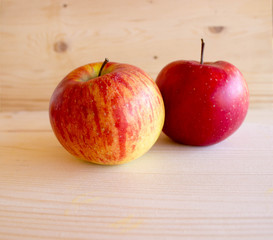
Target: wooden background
(41, 41)
(223, 191)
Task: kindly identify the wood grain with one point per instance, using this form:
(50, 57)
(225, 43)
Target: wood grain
(224, 191)
(41, 41)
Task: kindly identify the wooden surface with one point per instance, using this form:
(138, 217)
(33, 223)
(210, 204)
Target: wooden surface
(41, 41)
(224, 191)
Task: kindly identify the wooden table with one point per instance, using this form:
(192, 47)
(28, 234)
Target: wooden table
(224, 191)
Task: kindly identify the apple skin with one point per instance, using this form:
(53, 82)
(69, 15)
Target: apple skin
(204, 103)
(108, 119)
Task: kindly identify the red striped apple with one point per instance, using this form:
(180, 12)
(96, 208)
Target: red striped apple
(205, 102)
(107, 113)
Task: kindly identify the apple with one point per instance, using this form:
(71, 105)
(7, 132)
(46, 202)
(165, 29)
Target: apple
(107, 113)
(205, 102)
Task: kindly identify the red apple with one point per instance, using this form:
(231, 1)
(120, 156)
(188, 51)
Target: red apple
(107, 113)
(204, 102)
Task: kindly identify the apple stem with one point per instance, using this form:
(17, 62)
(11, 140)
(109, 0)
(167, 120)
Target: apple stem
(202, 50)
(102, 66)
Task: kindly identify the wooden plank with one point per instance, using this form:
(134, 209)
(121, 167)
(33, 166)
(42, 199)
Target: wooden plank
(223, 191)
(41, 41)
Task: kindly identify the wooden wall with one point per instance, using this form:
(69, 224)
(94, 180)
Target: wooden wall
(41, 41)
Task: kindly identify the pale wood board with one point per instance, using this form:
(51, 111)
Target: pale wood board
(224, 191)
(42, 41)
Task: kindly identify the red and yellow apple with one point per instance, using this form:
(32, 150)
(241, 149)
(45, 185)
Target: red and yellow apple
(204, 102)
(107, 113)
